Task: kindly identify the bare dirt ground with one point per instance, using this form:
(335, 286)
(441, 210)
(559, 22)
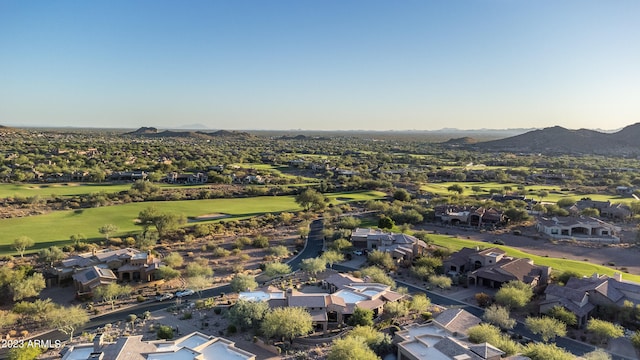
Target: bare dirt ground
(622, 255)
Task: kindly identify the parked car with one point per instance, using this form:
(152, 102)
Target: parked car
(163, 297)
(357, 252)
(187, 292)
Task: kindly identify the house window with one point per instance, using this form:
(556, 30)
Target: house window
(554, 231)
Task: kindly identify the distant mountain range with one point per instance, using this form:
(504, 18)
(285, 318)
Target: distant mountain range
(153, 132)
(563, 141)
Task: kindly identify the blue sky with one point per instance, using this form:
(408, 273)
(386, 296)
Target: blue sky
(331, 64)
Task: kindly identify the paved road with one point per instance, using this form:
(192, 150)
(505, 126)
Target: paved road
(313, 247)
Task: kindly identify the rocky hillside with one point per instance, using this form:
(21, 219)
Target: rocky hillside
(153, 132)
(564, 141)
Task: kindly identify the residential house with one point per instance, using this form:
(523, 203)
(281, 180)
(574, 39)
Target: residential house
(126, 264)
(606, 209)
(330, 307)
(194, 346)
(402, 247)
(187, 179)
(580, 228)
(457, 321)
(432, 341)
(582, 296)
(128, 175)
(625, 190)
(492, 268)
(88, 279)
(469, 215)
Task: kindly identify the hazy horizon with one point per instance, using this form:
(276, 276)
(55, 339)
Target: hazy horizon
(332, 65)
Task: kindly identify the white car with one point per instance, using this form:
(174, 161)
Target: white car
(163, 297)
(357, 252)
(182, 293)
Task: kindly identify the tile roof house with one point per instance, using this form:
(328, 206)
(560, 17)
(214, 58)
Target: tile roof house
(88, 279)
(606, 208)
(578, 228)
(469, 215)
(194, 346)
(126, 264)
(430, 341)
(401, 246)
(457, 321)
(334, 307)
(492, 268)
(583, 295)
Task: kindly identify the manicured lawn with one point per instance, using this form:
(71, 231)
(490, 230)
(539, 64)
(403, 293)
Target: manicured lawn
(560, 265)
(280, 170)
(69, 189)
(56, 228)
(555, 192)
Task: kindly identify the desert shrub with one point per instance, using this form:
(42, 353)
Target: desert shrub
(164, 332)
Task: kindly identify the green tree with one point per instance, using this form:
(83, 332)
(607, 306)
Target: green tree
(146, 240)
(25, 353)
(68, 320)
(603, 330)
(382, 259)
(163, 222)
(386, 222)
(542, 351)
(419, 303)
(310, 199)
(349, 222)
(22, 243)
(198, 283)
(241, 282)
(590, 212)
(51, 255)
(483, 333)
(543, 194)
(401, 195)
(564, 277)
(7, 318)
(164, 332)
(456, 188)
(194, 269)
(279, 251)
(374, 339)
(597, 354)
(261, 242)
(247, 314)
(331, 257)
(499, 316)
(350, 348)
(396, 309)
(173, 260)
(361, 316)
(564, 315)
(26, 287)
(286, 323)
(313, 265)
(514, 294)
(441, 281)
(548, 328)
(341, 245)
(276, 268)
(167, 273)
(107, 230)
(377, 275)
(110, 293)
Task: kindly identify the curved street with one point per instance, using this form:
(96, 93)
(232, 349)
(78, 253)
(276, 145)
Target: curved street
(313, 247)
